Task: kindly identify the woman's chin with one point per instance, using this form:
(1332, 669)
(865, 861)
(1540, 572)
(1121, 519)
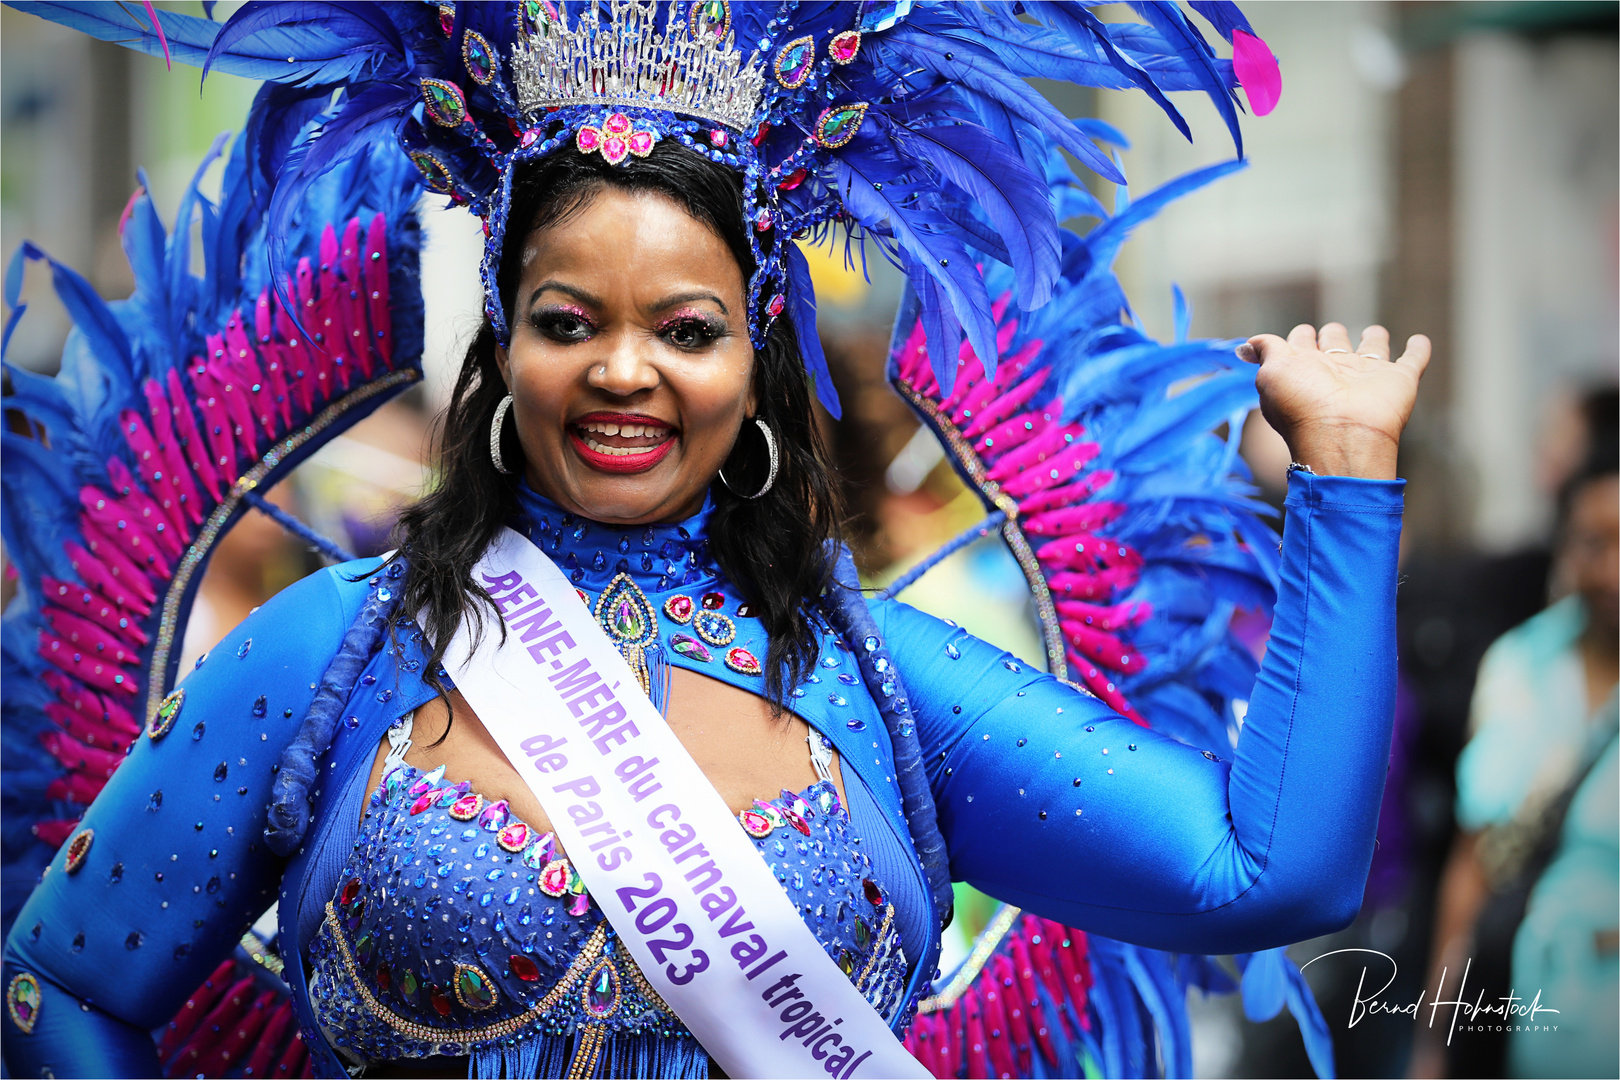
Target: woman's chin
(643, 497)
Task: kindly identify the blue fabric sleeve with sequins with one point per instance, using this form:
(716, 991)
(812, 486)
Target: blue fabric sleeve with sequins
(177, 867)
(1050, 801)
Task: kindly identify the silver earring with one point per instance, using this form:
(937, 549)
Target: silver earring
(770, 477)
(495, 435)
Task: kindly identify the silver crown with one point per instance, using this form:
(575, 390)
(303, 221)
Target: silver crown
(624, 61)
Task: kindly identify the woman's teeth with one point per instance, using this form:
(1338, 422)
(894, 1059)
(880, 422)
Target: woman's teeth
(628, 431)
(610, 430)
(614, 451)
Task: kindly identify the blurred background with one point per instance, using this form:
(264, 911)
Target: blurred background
(1444, 168)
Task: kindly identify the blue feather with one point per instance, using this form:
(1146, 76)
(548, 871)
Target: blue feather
(801, 294)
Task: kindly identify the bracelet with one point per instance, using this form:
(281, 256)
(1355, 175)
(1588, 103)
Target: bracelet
(1298, 466)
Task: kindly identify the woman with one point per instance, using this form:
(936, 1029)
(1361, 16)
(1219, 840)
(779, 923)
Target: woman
(636, 411)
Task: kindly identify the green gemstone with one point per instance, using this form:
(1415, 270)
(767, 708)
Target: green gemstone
(627, 620)
(863, 933)
(408, 986)
(444, 102)
(846, 962)
(363, 947)
(600, 993)
(473, 987)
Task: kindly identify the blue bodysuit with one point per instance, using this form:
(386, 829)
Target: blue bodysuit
(443, 927)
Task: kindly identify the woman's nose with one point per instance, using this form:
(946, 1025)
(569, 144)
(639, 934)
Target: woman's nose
(626, 369)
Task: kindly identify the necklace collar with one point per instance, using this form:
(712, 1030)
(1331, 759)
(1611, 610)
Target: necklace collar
(657, 557)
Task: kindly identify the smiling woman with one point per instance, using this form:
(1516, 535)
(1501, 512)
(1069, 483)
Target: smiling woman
(627, 298)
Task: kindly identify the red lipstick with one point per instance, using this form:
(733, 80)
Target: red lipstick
(637, 453)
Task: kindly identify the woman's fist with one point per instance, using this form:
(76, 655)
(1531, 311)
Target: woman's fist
(1341, 410)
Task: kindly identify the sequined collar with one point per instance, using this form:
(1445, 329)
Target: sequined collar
(657, 558)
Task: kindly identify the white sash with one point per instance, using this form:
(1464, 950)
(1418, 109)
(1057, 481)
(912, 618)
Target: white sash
(684, 887)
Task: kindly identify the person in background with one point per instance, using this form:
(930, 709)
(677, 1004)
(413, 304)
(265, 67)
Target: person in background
(1531, 891)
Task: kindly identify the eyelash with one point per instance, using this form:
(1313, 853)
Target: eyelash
(552, 323)
(708, 330)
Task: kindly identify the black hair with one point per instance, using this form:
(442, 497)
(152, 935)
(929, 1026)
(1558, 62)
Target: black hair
(1599, 409)
(773, 549)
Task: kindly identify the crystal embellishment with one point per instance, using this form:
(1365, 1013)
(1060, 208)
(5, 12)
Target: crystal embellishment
(168, 711)
(23, 1000)
(616, 55)
(78, 849)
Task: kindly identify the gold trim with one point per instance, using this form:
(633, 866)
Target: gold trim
(587, 1052)
(200, 548)
(588, 956)
(1057, 661)
(884, 930)
(983, 948)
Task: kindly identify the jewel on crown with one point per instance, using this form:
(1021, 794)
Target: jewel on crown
(614, 55)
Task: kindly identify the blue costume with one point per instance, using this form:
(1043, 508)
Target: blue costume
(1046, 797)
(418, 922)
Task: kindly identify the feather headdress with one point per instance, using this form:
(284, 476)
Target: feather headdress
(907, 124)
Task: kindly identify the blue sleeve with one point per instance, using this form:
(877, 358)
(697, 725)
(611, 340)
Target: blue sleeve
(1050, 801)
(177, 868)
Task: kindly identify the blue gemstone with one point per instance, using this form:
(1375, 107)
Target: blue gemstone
(855, 725)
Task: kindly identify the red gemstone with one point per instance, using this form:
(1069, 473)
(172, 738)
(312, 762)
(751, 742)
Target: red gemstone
(350, 891)
(679, 608)
(718, 137)
(618, 123)
(796, 821)
(844, 47)
(713, 601)
(427, 800)
(524, 968)
(874, 896)
(615, 148)
(383, 978)
(588, 139)
(759, 136)
(792, 181)
(441, 1004)
(774, 308)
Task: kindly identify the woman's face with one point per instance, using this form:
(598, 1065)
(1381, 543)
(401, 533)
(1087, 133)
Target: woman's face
(630, 366)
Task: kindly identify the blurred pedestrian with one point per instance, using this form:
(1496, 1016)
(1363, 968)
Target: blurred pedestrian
(1531, 891)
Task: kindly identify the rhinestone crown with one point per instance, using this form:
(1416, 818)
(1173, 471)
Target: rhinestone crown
(624, 61)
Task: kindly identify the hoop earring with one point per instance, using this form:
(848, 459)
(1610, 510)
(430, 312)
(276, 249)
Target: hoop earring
(495, 435)
(770, 477)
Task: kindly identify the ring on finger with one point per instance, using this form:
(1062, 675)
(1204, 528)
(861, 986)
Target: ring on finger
(1376, 356)
(1331, 351)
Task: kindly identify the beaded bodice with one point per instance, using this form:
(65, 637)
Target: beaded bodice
(459, 931)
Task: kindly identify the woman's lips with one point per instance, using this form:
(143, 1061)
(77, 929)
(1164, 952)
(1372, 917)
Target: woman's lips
(617, 443)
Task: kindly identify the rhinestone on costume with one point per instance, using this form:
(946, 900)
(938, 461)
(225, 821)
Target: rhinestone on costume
(23, 1000)
(742, 661)
(796, 821)
(601, 994)
(478, 57)
(514, 837)
(710, 18)
(433, 171)
(714, 601)
(473, 988)
(874, 895)
(446, 106)
(755, 824)
(494, 816)
(554, 878)
(351, 890)
(539, 16)
(168, 711)
(441, 1003)
(846, 962)
(836, 126)
(795, 62)
(715, 628)
(679, 609)
(523, 968)
(539, 852)
(78, 848)
(691, 647)
(467, 807)
(774, 308)
(843, 48)
(408, 986)
(426, 801)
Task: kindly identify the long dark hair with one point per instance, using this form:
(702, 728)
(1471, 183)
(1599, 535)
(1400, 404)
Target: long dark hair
(773, 549)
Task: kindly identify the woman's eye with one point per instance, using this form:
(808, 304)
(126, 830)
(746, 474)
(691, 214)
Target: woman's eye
(563, 326)
(691, 334)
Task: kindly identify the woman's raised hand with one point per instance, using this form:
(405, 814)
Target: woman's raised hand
(1341, 410)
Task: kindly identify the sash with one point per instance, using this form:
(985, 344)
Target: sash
(683, 886)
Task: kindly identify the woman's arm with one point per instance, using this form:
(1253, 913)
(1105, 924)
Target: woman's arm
(1049, 800)
(177, 868)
